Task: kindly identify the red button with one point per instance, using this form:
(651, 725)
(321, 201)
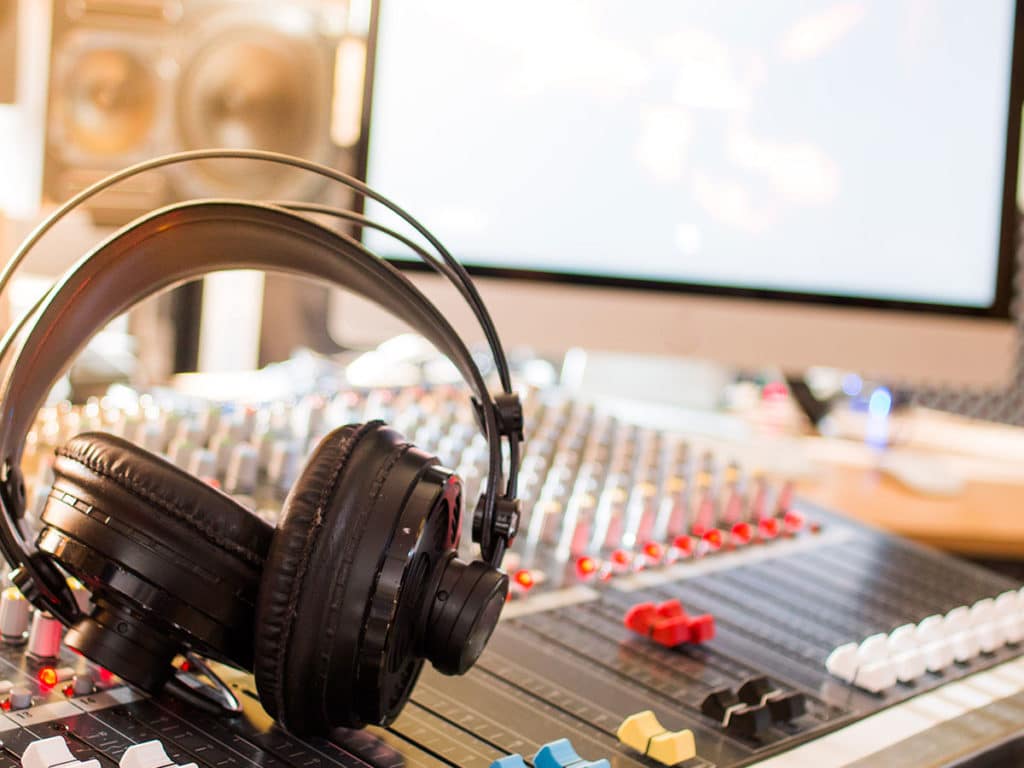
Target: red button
(741, 533)
(714, 539)
(793, 521)
(768, 527)
(668, 624)
(639, 617)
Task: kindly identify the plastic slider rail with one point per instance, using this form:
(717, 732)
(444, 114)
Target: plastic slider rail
(642, 732)
(906, 653)
(53, 752)
(668, 624)
(556, 754)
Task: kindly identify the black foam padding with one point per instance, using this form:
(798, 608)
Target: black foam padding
(309, 508)
(168, 502)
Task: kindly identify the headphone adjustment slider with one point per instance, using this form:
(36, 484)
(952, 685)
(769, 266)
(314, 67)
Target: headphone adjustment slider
(506, 518)
(508, 410)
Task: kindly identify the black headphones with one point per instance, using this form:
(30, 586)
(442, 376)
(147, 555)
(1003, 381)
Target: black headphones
(337, 609)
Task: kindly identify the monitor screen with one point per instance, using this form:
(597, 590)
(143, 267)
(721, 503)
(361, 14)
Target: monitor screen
(853, 148)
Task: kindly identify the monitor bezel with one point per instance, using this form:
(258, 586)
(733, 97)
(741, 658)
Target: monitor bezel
(1000, 308)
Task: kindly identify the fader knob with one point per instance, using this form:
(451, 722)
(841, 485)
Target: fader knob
(14, 613)
(44, 638)
(242, 470)
(149, 754)
(46, 753)
(82, 685)
(21, 698)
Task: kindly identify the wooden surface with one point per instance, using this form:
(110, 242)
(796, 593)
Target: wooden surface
(985, 518)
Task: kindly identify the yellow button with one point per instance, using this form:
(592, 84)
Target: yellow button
(637, 730)
(672, 748)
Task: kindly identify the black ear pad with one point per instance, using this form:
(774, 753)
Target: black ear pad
(340, 601)
(164, 553)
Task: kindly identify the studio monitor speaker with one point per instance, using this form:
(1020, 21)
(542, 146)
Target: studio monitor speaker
(131, 80)
(8, 50)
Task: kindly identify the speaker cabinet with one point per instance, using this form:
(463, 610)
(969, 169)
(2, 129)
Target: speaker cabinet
(8, 50)
(131, 80)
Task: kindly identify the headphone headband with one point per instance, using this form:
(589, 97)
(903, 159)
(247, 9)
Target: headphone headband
(185, 241)
(495, 521)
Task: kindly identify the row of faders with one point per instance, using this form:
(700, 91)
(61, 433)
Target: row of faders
(600, 497)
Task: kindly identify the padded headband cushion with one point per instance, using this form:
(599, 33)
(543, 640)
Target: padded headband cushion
(95, 461)
(305, 626)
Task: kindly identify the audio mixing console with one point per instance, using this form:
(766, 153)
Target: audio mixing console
(669, 607)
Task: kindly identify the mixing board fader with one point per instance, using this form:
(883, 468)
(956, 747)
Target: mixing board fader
(669, 607)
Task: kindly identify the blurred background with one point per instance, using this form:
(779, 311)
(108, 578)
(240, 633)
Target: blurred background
(795, 220)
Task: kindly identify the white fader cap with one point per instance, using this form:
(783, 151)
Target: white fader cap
(149, 754)
(53, 751)
(45, 636)
(14, 612)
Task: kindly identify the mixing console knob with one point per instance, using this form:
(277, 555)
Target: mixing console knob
(221, 445)
(20, 698)
(283, 465)
(47, 753)
(149, 754)
(14, 614)
(82, 685)
(242, 470)
(202, 464)
(44, 638)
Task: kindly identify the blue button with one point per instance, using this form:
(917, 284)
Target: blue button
(560, 754)
(511, 761)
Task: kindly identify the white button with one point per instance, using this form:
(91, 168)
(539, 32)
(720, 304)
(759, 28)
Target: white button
(989, 637)
(842, 662)
(903, 639)
(1013, 628)
(983, 611)
(909, 665)
(876, 676)
(149, 754)
(46, 753)
(957, 620)
(965, 646)
(873, 648)
(1007, 604)
(937, 655)
(931, 629)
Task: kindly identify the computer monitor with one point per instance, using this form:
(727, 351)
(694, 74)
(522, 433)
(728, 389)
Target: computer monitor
(789, 183)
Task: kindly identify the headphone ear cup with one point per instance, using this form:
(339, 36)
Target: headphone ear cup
(171, 561)
(339, 607)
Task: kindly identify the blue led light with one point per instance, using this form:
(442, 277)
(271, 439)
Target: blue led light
(880, 403)
(852, 384)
